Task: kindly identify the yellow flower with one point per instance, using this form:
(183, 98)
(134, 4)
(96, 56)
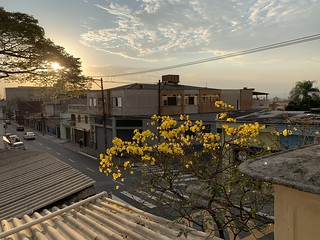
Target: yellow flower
(131, 172)
(231, 120)
(126, 163)
(222, 116)
(286, 132)
(218, 103)
(117, 187)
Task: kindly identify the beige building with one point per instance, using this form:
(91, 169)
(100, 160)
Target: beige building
(130, 107)
(295, 177)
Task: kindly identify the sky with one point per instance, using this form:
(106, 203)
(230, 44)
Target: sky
(116, 37)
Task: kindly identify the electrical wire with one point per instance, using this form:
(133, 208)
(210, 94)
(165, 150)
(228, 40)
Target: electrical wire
(229, 55)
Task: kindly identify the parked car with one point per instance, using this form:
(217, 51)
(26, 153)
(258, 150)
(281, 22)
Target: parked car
(19, 145)
(20, 128)
(13, 139)
(29, 136)
(7, 121)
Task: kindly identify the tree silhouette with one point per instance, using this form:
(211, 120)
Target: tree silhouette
(304, 96)
(26, 55)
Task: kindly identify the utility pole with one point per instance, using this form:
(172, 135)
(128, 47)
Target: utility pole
(103, 115)
(159, 97)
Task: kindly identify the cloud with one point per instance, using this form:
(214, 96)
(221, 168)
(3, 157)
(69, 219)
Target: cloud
(156, 30)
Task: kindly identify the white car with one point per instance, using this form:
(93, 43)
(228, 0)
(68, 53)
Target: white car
(29, 135)
(14, 138)
(19, 145)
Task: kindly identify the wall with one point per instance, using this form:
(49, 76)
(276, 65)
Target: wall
(188, 109)
(297, 214)
(208, 107)
(139, 102)
(246, 98)
(1, 130)
(173, 109)
(231, 97)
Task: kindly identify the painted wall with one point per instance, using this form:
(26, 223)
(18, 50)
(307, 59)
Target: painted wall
(297, 214)
(231, 97)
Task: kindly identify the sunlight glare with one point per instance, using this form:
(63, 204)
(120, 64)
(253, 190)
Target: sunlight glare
(56, 66)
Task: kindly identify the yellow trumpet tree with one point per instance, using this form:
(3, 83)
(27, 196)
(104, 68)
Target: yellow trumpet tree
(181, 147)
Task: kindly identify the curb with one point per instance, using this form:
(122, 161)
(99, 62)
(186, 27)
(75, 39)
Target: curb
(88, 155)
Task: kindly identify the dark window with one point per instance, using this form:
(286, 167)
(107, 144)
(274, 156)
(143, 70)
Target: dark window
(86, 119)
(129, 123)
(172, 101)
(117, 102)
(79, 118)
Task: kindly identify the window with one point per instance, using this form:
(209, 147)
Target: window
(85, 119)
(73, 117)
(205, 98)
(92, 102)
(116, 102)
(171, 100)
(214, 97)
(190, 99)
(210, 97)
(79, 118)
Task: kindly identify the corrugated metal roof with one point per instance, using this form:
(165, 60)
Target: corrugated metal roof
(31, 180)
(97, 217)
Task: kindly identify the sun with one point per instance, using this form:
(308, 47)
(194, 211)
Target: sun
(56, 66)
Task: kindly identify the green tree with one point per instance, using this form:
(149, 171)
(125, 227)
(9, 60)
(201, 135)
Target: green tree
(26, 55)
(218, 191)
(304, 96)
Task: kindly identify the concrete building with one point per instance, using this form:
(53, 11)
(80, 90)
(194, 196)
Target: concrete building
(295, 177)
(130, 107)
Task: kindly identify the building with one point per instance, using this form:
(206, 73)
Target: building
(130, 107)
(100, 116)
(295, 177)
(23, 101)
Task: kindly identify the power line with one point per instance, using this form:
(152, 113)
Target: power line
(229, 55)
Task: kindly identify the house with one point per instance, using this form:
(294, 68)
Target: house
(295, 177)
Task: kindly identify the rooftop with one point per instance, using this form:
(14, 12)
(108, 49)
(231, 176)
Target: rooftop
(31, 180)
(298, 169)
(97, 217)
(155, 86)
